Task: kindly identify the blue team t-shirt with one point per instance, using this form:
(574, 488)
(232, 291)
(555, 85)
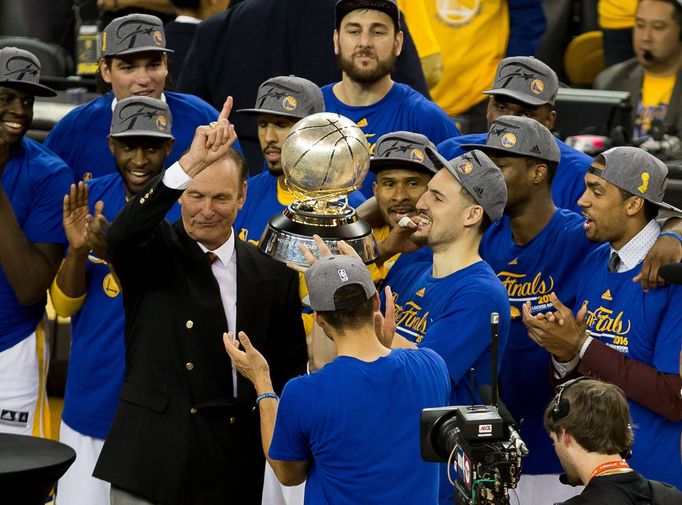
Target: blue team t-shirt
(80, 137)
(97, 357)
(647, 327)
(262, 203)
(35, 182)
(546, 264)
(401, 109)
(569, 181)
(361, 432)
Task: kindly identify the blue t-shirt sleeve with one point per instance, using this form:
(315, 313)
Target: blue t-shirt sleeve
(290, 440)
(43, 224)
(433, 122)
(450, 148)
(669, 338)
(462, 334)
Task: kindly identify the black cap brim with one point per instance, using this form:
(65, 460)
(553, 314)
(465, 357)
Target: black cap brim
(518, 96)
(379, 165)
(255, 112)
(29, 87)
(139, 133)
(135, 50)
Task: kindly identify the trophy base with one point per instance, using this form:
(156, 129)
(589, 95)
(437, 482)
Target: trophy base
(287, 230)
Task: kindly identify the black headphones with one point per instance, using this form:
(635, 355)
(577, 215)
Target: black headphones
(562, 407)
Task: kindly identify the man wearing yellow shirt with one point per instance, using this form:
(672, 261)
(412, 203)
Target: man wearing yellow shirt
(474, 36)
(653, 77)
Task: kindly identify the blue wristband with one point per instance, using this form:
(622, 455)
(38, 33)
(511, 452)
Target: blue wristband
(671, 234)
(266, 395)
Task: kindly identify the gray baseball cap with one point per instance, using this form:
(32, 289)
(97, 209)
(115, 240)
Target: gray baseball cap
(636, 171)
(20, 69)
(389, 7)
(135, 33)
(404, 150)
(330, 273)
(519, 136)
(525, 79)
(288, 96)
(481, 178)
(141, 116)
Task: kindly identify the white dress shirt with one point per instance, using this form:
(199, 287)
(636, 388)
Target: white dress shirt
(224, 268)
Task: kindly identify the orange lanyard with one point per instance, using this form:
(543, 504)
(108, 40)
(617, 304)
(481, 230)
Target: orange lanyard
(610, 465)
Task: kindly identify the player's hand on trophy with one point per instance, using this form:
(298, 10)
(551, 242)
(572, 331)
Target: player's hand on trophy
(323, 249)
(210, 143)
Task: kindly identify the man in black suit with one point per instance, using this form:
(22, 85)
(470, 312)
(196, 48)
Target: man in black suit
(186, 431)
(235, 51)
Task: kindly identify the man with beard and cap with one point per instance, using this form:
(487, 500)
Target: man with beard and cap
(525, 86)
(456, 289)
(86, 290)
(620, 333)
(134, 62)
(32, 241)
(367, 41)
(281, 103)
(590, 426)
(274, 38)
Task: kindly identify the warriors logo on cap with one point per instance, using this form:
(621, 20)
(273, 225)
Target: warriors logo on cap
(537, 87)
(508, 140)
(465, 167)
(417, 155)
(158, 38)
(290, 103)
(161, 122)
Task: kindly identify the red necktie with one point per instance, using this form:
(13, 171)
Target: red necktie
(212, 257)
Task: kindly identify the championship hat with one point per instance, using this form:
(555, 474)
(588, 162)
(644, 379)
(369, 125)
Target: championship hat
(288, 96)
(481, 178)
(519, 136)
(636, 171)
(141, 116)
(20, 69)
(135, 33)
(389, 7)
(328, 274)
(525, 79)
(406, 150)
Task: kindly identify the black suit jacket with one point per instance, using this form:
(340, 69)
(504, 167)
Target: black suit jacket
(235, 51)
(179, 37)
(179, 436)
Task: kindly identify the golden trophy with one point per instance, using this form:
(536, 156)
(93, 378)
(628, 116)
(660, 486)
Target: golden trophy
(325, 157)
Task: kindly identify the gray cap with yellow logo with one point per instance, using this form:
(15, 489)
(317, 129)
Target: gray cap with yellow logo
(636, 171)
(519, 136)
(481, 178)
(525, 79)
(288, 96)
(135, 33)
(141, 116)
(406, 150)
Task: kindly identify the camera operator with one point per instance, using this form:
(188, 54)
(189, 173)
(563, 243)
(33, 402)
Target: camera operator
(589, 423)
(653, 77)
(351, 428)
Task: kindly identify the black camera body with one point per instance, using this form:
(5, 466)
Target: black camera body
(484, 450)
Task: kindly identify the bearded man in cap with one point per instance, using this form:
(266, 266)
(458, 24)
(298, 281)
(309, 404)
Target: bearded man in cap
(134, 62)
(86, 290)
(32, 241)
(620, 333)
(327, 422)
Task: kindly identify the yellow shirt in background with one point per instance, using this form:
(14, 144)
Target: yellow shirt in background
(473, 36)
(617, 14)
(379, 273)
(656, 93)
(420, 27)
